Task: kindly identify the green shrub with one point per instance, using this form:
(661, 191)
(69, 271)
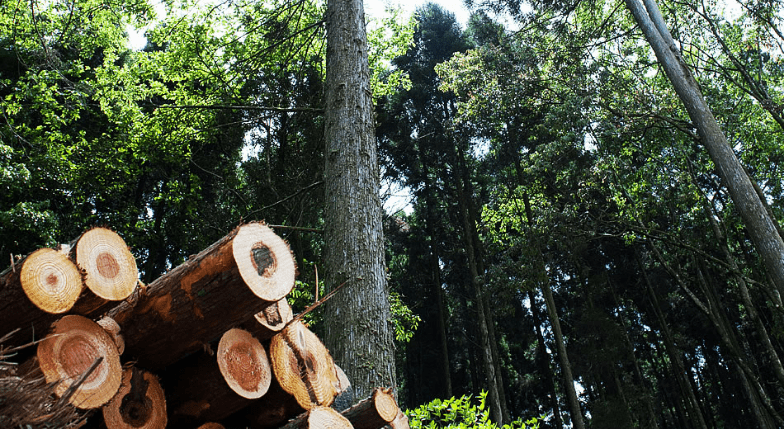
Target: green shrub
(460, 413)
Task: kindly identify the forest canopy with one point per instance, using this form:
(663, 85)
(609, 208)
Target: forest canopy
(571, 247)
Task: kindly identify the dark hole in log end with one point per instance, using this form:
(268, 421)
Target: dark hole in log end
(263, 259)
(136, 413)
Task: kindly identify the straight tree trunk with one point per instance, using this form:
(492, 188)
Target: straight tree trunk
(544, 359)
(761, 227)
(363, 343)
(566, 366)
(679, 370)
(435, 271)
(488, 361)
(552, 314)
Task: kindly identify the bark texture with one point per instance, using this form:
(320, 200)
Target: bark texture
(362, 343)
(224, 285)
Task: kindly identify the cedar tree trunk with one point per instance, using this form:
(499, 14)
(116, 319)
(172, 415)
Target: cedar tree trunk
(359, 333)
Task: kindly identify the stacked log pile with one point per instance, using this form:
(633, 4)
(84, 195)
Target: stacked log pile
(212, 343)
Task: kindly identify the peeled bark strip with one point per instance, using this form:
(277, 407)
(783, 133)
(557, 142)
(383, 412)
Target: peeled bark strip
(113, 329)
(319, 418)
(70, 350)
(244, 364)
(303, 366)
(139, 404)
(375, 412)
(110, 267)
(201, 389)
(224, 285)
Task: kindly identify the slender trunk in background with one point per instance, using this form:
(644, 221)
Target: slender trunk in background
(435, 270)
(544, 359)
(363, 343)
(761, 227)
(494, 398)
(552, 314)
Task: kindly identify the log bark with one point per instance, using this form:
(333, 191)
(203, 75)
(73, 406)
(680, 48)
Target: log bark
(319, 418)
(70, 350)
(204, 387)
(224, 285)
(375, 412)
(34, 292)
(139, 404)
(303, 366)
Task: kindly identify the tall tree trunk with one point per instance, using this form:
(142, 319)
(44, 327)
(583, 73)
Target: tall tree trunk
(496, 411)
(354, 255)
(552, 314)
(544, 359)
(566, 367)
(679, 370)
(761, 227)
(435, 272)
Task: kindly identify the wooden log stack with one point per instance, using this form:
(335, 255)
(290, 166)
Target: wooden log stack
(211, 344)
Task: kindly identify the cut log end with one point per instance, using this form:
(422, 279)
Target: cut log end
(69, 352)
(111, 271)
(265, 261)
(320, 418)
(50, 280)
(385, 404)
(303, 366)
(211, 425)
(276, 316)
(139, 404)
(244, 364)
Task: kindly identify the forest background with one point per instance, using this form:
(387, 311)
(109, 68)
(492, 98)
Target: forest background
(570, 247)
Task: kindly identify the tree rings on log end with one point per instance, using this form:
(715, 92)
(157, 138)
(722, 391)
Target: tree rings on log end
(139, 404)
(385, 404)
(110, 268)
(50, 280)
(211, 425)
(244, 364)
(70, 350)
(265, 261)
(303, 366)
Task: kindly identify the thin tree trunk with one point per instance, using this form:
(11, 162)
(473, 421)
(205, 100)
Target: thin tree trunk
(496, 412)
(435, 272)
(363, 343)
(543, 358)
(761, 227)
(552, 313)
(679, 370)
